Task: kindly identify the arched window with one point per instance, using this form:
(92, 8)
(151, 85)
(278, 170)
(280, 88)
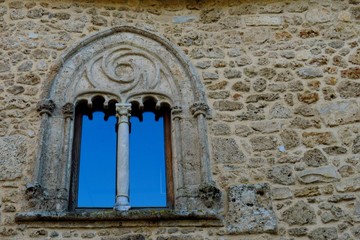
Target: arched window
(124, 72)
(95, 177)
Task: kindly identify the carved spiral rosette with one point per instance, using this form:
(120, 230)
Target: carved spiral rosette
(200, 108)
(46, 106)
(128, 66)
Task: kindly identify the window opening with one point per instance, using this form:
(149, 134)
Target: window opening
(147, 162)
(97, 161)
(96, 173)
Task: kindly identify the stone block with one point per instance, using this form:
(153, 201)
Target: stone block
(348, 185)
(262, 143)
(281, 174)
(324, 233)
(314, 158)
(319, 15)
(264, 20)
(12, 156)
(250, 209)
(321, 174)
(281, 193)
(311, 139)
(226, 150)
(339, 113)
(300, 213)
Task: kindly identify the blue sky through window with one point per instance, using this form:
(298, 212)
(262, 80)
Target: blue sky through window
(98, 162)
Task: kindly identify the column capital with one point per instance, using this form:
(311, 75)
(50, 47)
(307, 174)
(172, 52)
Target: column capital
(200, 108)
(123, 112)
(68, 110)
(46, 106)
(176, 112)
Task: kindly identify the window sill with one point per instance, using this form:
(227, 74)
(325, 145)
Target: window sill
(165, 216)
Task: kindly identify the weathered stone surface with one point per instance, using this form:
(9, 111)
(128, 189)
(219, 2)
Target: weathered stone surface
(259, 85)
(351, 73)
(349, 89)
(210, 15)
(263, 20)
(348, 185)
(305, 110)
(319, 15)
(224, 105)
(279, 111)
(303, 123)
(308, 97)
(226, 150)
(266, 126)
(307, 192)
(335, 150)
(281, 193)
(314, 158)
(12, 156)
(243, 131)
(250, 210)
(324, 234)
(356, 145)
(219, 95)
(311, 139)
(308, 73)
(298, 232)
(241, 87)
(217, 86)
(290, 138)
(220, 129)
(320, 174)
(281, 174)
(340, 198)
(262, 143)
(346, 170)
(339, 113)
(299, 214)
(262, 97)
(232, 73)
(355, 58)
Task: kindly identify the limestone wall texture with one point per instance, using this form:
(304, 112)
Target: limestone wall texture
(283, 82)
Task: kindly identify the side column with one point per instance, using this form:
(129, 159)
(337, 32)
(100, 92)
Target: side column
(123, 111)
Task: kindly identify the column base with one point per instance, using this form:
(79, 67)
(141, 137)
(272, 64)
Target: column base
(122, 204)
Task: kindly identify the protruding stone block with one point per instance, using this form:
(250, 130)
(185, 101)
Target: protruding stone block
(250, 209)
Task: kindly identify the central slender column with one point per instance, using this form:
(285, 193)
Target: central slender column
(123, 111)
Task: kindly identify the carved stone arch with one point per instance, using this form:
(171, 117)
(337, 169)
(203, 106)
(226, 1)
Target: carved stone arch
(126, 64)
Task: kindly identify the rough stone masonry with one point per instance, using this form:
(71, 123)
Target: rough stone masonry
(282, 79)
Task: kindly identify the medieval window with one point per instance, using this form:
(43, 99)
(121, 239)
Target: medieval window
(134, 74)
(95, 156)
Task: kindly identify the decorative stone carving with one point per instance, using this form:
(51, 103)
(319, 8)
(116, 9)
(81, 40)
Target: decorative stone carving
(209, 194)
(46, 106)
(250, 209)
(200, 108)
(176, 112)
(68, 110)
(131, 66)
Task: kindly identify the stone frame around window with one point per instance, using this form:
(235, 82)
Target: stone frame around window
(150, 66)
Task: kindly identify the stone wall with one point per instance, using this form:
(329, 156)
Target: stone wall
(282, 80)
